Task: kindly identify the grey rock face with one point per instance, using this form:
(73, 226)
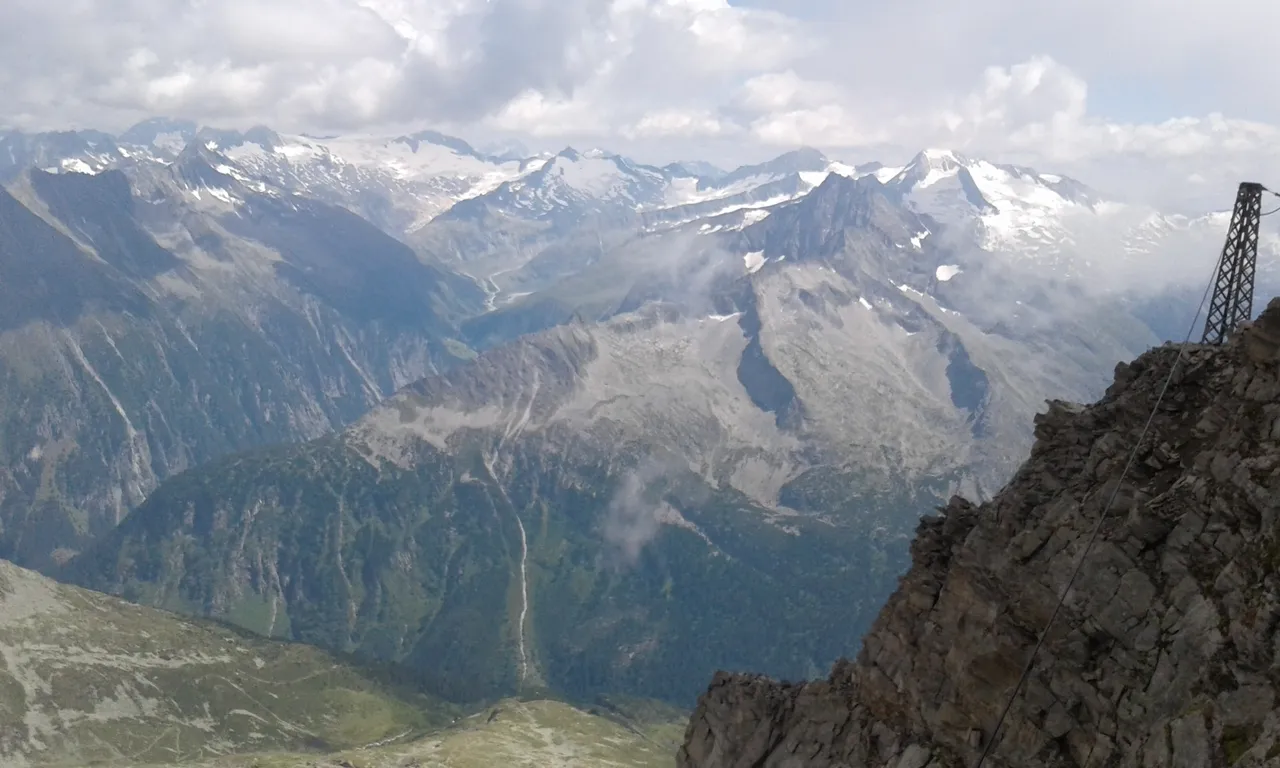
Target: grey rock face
(1163, 653)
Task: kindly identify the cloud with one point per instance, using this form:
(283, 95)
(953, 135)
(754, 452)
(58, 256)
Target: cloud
(362, 63)
(829, 126)
(337, 63)
(1065, 85)
(676, 122)
(774, 91)
(1036, 112)
(535, 114)
(636, 511)
(1040, 105)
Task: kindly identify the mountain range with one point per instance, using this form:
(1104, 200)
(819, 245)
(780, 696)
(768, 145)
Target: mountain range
(379, 394)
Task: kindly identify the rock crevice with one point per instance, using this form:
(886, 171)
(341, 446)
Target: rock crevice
(1164, 651)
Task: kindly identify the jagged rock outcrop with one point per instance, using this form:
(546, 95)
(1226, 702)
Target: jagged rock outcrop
(1165, 651)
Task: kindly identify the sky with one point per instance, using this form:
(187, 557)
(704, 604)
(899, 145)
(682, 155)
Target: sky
(1168, 102)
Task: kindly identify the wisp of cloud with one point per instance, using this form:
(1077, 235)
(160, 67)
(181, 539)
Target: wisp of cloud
(634, 516)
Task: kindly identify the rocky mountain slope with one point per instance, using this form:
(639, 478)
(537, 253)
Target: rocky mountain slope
(87, 679)
(491, 570)
(848, 315)
(1040, 233)
(1163, 653)
(154, 317)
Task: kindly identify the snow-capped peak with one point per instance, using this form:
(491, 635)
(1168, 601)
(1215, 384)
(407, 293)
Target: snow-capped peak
(990, 180)
(596, 176)
(569, 186)
(931, 167)
(1013, 207)
(166, 135)
(421, 175)
(198, 165)
(939, 155)
(86, 152)
(816, 178)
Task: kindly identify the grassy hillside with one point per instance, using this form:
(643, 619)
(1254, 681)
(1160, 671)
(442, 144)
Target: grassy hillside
(87, 678)
(511, 734)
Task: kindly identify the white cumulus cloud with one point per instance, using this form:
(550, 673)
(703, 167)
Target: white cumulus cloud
(1150, 98)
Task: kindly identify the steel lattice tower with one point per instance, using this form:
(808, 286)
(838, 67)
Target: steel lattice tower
(1233, 288)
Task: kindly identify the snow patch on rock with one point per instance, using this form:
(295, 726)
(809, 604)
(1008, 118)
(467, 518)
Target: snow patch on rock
(947, 271)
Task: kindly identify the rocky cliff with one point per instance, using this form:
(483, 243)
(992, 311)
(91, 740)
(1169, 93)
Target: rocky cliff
(1164, 653)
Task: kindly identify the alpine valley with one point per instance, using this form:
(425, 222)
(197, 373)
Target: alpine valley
(551, 426)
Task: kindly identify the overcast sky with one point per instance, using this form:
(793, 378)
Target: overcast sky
(1169, 100)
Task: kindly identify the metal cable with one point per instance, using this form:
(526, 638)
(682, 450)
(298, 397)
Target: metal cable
(1277, 194)
(1133, 455)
